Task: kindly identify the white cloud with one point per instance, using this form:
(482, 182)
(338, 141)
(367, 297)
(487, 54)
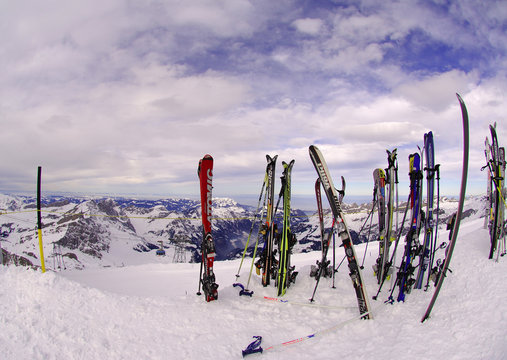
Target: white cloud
(308, 26)
(224, 18)
(437, 91)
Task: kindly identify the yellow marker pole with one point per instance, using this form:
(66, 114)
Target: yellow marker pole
(39, 220)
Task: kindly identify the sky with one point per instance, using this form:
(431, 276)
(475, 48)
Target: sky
(124, 97)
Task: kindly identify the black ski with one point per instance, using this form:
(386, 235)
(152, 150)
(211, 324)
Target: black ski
(286, 274)
(379, 178)
(343, 231)
(496, 179)
(455, 230)
(268, 228)
(427, 246)
(405, 278)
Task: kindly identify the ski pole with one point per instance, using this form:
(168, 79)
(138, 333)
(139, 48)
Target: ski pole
(200, 279)
(340, 264)
(374, 201)
(251, 228)
(367, 238)
(334, 259)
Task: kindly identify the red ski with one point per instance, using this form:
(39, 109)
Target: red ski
(207, 277)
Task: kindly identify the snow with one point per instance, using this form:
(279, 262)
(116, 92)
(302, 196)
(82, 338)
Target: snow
(151, 311)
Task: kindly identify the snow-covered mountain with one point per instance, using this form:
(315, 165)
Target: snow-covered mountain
(114, 232)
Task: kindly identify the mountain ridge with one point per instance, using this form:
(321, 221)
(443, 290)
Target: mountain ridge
(111, 231)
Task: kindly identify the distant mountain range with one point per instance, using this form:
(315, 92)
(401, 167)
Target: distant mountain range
(117, 231)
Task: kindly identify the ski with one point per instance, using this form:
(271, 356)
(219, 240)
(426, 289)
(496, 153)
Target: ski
(489, 192)
(379, 178)
(343, 231)
(427, 246)
(265, 261)
(286, 274)
(320, 211)
(392, 182)
(393, 256)
(496, 181)
(261, 209)
(434, 247)
(502, 248)
(455, 229)
(207, 276)
(405, 279)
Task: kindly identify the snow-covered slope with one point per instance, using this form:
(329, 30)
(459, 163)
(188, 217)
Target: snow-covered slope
(150, 311)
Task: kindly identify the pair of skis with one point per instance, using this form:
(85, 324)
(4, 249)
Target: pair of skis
(428, 248)
(286, 274)
(405, 277)
(342, 229)
(267, 261)
(413, 249)
(279, 270)
(495, 157)
(207, 276)
(382, 267)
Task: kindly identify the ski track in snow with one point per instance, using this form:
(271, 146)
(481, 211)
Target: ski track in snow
(151, 311)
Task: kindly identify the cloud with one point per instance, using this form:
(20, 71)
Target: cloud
(308, 26)
(129, 96)
(436, 92)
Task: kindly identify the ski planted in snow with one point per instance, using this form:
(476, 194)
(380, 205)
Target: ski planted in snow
(405, 279)
(343, 231)
(267, 261)
(207, 276)
(502, 247)
(286, 274)
(455, 229)
(494, 164)
(428, 245)
(379, 178)
(489, 192)
(383, 266)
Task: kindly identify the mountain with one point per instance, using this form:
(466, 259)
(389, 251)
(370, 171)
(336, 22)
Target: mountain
(83, 232)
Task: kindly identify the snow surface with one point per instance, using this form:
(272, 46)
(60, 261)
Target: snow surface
(151, 311)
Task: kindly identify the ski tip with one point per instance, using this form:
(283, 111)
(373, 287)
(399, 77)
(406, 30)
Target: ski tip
(288, 165)
(312, 148)
(271, 159)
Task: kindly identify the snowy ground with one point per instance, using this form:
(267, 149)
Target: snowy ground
(151, 311)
